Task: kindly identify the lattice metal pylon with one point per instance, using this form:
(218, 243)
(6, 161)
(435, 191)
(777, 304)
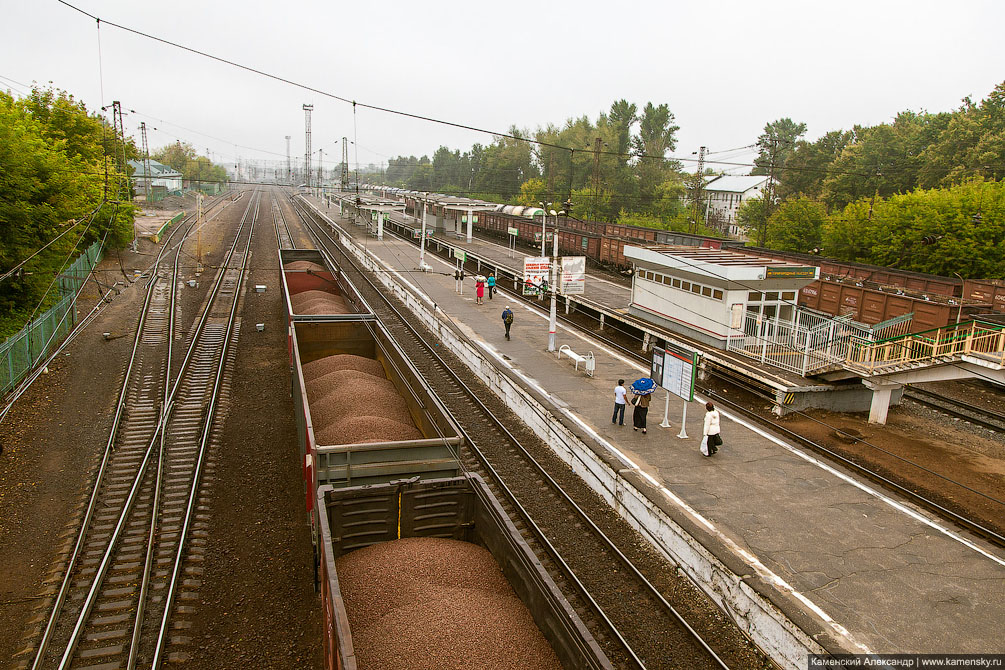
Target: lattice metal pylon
(307, 152)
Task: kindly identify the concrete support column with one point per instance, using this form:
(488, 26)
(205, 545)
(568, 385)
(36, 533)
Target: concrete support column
(471, 223)
(645, 342)
(380, 225)
(601, 321)
(881, 393)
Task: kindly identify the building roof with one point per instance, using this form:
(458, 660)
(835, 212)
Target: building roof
(736, 183)
(157, 170)
(720, 263)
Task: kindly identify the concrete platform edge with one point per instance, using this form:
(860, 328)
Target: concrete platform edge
(772, 617)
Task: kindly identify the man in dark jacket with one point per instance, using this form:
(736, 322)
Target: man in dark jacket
(507, 317)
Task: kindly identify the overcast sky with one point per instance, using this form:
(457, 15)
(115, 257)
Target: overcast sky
(725, 68)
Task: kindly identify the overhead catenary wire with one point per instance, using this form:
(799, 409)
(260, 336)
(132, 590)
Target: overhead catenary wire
(421, 117)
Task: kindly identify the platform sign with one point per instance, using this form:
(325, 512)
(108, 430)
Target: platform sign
(513, 231)
(460, 255)
(573, 275)
(535, 274)
(675, 369)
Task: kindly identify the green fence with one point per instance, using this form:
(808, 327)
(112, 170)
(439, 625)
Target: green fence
(20, 353)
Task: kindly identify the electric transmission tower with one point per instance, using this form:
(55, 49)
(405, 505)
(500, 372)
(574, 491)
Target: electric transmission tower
(307, 152)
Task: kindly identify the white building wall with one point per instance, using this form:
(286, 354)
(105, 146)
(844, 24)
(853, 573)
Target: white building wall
(708, 315)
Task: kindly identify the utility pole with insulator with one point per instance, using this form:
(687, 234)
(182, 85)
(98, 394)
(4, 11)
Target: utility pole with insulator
(307, 153)
(345, 165)
(146, 161)
(289, 168)
(596, 178)
(699, 184)
(768, 195)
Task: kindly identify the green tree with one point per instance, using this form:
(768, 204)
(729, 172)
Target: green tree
(777, 142)
(805, 169)
(797, 225)
(972, 144)
(750, 217)
(657, 136)
(533, 191)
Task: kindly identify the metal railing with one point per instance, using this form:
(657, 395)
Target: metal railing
(974, 338)
(20, 353)
(809, 343)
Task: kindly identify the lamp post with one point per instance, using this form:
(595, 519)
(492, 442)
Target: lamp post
(544, 226)
(422, 237)
(959, 309)
(553, 316)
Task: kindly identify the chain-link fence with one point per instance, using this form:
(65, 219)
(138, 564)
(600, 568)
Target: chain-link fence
(20, 353)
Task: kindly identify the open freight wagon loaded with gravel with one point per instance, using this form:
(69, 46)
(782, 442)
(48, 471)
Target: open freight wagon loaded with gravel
(315, 291)
(364, 413)
(433, 574)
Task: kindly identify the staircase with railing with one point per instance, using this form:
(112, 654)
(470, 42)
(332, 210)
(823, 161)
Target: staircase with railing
(976, 342)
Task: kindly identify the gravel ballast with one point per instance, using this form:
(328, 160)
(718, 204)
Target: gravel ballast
(436, 603)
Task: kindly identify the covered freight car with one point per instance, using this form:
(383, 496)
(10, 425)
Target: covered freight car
(462, 509)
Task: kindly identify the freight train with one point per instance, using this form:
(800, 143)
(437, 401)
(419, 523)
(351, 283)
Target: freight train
(383, 484)
(865, 293)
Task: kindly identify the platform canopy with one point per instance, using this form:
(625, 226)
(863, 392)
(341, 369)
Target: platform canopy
(720, 264)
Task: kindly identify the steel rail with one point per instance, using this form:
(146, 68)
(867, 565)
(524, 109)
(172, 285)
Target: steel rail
(976, 415)
(206, 432)
(106, 456)
(135, 488)
(541, 470)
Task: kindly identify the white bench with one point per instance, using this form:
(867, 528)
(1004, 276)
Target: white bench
(589, 359)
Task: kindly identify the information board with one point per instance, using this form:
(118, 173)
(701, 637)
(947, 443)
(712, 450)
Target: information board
(535, 274)
(513, 231)
(460, 255)
(573, 275)
(675, 369)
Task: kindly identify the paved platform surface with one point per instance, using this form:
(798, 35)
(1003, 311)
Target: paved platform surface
(881, 574)
(614, 299)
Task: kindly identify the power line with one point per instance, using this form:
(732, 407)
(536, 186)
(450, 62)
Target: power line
(411, 115)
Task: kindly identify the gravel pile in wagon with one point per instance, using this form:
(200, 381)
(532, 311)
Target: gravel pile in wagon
(318, 302)
(353, 406)
(428, 602)
(304, 265)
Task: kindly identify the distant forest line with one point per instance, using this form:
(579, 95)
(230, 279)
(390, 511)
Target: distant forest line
(870, 194)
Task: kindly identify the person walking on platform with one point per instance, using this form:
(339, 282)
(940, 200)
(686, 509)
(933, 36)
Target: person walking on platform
(620, 392)
(507, 317)
(491, 283)
(479, 290)
(711, 430)
(641, 411)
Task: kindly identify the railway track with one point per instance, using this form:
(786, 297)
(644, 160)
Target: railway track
(634, 621)
(955, 408)
(283, 235)
(115, 605)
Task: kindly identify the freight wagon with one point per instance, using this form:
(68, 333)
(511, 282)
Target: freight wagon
(364, 414)
(881, 276)
(461, 509)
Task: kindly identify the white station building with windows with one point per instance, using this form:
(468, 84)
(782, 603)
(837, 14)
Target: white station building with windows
(706, 294)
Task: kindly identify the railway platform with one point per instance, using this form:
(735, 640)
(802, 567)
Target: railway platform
(803, 555)
(609, 302)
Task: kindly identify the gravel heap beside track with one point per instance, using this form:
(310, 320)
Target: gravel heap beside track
(436, 603)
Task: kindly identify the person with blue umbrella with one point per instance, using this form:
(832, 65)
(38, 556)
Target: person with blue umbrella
(642, 393)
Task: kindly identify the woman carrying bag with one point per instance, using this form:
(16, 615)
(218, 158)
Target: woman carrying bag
(711, 439)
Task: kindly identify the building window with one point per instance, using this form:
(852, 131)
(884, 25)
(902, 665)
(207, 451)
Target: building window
(771, 296)
(717, 294)
(666, 280)
(753, 296)
(695, 288)
(789, 295)
(676, 283)
(685, 286)
(706, 291)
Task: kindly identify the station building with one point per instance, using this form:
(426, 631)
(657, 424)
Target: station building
(707, 294)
